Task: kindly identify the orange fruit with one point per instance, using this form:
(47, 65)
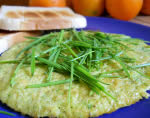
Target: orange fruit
(146, 7)
(48, 3)
(89, 7)
(124, 9)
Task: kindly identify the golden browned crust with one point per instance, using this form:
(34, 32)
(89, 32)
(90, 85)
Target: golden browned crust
(46, 24)
(38, 14)
(48, 14)
(26, 19)
(12, 14)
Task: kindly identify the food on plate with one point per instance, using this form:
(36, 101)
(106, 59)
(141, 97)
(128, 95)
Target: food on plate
(17, 18)
(146, 7)
(124, 9)
(74, 74)
(8, 39)
(89, 7)
(48, 3)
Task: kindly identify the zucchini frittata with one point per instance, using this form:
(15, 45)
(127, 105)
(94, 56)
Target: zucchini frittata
(70, 74)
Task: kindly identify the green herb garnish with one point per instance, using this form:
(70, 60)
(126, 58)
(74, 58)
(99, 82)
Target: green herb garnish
(12, 81)
(70, 85)
(33, 62)
(7, 113)
(48, 84)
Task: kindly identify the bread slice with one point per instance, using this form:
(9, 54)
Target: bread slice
(8, 39)
(18, 18)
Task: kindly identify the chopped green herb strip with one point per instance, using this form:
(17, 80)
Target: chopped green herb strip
(108, 94)
(80, 44)
(18, 61)
(82, 56)
(34, 43)
(47, 51)
(12, 81)
(72, 52)
(76, 34)
(128, 60)
(108, 57)
(52, 64)
(103, 58)
(110, 76)
(9, 62)
(141, 65)
(61, 36)
(33, 61)
(7, 113)
(85, 73)
(145, 41)
(70, 85)
(49, 84)
(104, 83)
(89, 60)
(52, 68)
(123, 66)
(143, 74)
(135, 69)
(83, 60)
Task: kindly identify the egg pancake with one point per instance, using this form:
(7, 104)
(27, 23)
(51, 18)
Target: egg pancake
(52, 100)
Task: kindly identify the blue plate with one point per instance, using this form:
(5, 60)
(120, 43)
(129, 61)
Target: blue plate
(140, 109)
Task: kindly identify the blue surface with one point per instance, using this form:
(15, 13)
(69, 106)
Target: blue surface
(140, 109)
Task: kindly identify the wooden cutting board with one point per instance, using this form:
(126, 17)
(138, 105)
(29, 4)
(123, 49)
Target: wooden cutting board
(144, 20)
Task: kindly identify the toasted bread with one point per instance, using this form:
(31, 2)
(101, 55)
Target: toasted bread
(17, 18)
(8, 39)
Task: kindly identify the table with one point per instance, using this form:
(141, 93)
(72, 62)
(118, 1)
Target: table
(144, 20)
